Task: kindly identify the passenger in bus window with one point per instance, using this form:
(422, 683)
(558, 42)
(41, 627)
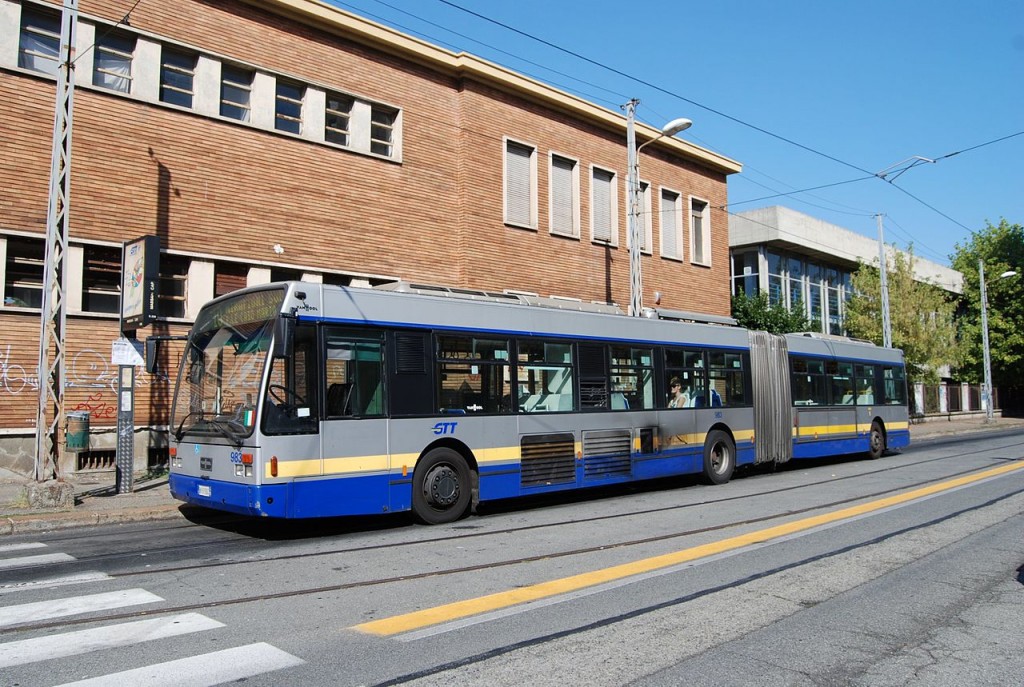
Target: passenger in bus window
(677, 397)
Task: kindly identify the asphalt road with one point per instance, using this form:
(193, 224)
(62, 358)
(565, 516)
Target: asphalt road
(902, 571)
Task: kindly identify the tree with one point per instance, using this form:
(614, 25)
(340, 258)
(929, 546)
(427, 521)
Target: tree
(754, 312)
(921, 317)
(1001, 248)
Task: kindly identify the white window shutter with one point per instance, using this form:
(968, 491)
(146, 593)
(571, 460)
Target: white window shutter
(517, 184)
(562, 215)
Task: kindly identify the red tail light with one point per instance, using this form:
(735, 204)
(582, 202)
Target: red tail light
(246, 459)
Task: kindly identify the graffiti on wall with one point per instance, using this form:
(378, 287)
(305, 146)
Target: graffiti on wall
(87, 369)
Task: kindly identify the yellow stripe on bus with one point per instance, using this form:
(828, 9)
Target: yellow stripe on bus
(394, 625)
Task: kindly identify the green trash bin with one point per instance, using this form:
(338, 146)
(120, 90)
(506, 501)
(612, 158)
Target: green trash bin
(76, 435)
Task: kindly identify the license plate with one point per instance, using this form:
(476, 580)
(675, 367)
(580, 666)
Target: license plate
(205, 490)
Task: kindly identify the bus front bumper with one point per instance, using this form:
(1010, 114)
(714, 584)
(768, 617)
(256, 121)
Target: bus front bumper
(268, 500)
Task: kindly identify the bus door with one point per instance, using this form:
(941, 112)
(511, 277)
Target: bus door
(290, 424)
(810, 399)
(354, 428)
(864, 397)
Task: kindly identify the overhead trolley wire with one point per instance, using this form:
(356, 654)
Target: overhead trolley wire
(654, 86)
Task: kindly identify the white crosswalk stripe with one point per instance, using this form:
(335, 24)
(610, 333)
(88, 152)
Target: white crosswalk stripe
(53, 582)
(22, 547)
(203, 670)
(200, 671)
(27, 561)
(99, 638)
(59, 608)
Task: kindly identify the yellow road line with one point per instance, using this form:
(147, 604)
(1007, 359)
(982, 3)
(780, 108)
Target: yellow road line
(408, 622)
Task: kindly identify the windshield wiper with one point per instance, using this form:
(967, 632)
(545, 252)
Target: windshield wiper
(224, 426)
(178, 433)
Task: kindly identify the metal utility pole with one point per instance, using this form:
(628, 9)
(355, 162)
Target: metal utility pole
(53, 315)
(883, 264)
(987, 391)
(633, 216)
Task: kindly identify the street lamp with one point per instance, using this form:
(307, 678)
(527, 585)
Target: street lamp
(633, 187)
(987, 392)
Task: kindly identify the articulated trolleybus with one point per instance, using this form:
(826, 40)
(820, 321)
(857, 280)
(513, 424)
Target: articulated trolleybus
(299, 400)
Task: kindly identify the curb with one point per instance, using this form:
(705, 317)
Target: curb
(64, 520)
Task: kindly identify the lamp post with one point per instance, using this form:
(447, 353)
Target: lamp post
(633, 187)
(987, 391)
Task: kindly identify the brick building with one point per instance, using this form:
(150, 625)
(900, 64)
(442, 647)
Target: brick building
(286, 139)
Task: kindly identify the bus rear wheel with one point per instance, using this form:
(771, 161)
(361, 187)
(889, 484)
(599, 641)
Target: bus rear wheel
(441, 487)
(719, 457)
(876, 445)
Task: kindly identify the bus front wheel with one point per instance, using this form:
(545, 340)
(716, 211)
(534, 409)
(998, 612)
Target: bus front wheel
(719, 457)
(441, 487)
(876, 445)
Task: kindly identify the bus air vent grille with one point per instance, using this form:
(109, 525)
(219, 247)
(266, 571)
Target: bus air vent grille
(606, 453)
(548, 459)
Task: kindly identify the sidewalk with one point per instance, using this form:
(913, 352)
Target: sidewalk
(98, 503)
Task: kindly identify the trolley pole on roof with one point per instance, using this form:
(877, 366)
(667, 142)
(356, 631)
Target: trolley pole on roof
(53, 314)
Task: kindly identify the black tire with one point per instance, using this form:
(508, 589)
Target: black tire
(441, 487)
(719, 457)
(876, 442)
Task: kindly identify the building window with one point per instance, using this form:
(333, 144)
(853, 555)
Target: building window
(835, 318)
(229, 276)
(382, 130)
(177, 77)
(520, 184)
(700, 232)
(744, 273)
(776, 294)
(604, 214)
(815, 305)
(112, 66)
(646, 219)
(23, 274)
(288, 107)
(173, 285)
(565, 196)
(671, 214)
(337, 118)
(101, 279)
(40, 41)
(795, 282)
(235, 92)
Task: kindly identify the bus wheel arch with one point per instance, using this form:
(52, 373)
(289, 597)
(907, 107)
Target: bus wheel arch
(445, 483)
(719, 455)
(877, 439)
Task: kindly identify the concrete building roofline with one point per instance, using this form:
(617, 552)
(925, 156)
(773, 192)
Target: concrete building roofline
(335, 20)
(793, 230)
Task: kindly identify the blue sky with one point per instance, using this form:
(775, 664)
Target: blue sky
(869, 84)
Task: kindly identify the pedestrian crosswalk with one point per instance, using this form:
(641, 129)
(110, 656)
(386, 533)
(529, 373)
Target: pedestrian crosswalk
(202, 670)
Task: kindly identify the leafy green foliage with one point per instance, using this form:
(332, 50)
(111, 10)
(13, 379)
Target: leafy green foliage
(754, 312)
(1001, 248)
(921, 317)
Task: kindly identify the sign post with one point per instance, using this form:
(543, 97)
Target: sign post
(140, 273)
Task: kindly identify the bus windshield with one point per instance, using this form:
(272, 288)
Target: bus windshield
(219, 378)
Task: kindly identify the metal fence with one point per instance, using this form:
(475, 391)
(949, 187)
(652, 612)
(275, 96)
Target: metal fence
(940, 399)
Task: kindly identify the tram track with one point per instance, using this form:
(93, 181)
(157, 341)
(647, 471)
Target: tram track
(220, 543)
(452, 571)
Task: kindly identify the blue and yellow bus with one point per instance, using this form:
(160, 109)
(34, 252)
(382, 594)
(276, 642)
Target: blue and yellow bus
(298, 400)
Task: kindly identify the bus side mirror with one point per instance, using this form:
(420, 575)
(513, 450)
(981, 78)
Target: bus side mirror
(151, 355)
(284, 336)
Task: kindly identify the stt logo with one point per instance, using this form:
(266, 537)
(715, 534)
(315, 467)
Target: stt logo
(445, 428)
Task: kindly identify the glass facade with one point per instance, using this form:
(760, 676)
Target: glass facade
(819, 289)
